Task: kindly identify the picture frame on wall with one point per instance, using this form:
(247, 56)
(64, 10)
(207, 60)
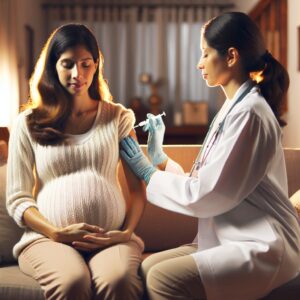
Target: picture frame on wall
(29, 56)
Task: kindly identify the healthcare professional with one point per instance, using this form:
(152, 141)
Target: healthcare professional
(248, 240)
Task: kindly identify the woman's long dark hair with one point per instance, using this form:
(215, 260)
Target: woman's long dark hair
(237, 30)
(51, 104)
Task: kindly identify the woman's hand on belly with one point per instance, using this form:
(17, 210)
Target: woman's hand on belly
(96, 241)
(76, 232)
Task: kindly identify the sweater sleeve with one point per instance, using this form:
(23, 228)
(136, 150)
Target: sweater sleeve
(20, 177)
(126, 122)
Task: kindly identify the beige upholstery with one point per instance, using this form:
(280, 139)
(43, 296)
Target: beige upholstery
(295, 199)
(292, 159)
(14, 285)
(160, 230)
(9, 231)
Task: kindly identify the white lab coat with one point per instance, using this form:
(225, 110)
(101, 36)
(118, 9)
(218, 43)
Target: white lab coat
(248, 232)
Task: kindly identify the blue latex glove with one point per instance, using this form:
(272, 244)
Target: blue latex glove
(135, 158)
(156, 128)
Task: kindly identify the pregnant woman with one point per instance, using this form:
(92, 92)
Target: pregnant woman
(63, 187)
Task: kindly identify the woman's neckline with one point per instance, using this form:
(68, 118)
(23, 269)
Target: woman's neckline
(82, 137)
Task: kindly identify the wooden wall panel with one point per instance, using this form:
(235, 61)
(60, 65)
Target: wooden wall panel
(271, 17)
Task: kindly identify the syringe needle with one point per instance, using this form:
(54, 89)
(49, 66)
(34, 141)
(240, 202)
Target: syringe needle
(147, 121)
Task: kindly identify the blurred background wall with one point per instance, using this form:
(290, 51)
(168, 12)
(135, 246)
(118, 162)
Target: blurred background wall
(151, 49)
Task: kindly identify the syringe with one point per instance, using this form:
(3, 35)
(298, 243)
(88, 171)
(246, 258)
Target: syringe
(143, 123)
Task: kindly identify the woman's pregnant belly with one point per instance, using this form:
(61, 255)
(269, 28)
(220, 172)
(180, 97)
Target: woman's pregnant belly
(82, 197)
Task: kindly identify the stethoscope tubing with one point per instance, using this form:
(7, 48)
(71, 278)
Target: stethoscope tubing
(207, 145)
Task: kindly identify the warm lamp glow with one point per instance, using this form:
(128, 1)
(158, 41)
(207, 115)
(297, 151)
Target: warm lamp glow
(9, 94)
(9, 83)
(4, 112)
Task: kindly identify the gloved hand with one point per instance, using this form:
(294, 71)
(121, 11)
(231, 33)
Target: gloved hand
(156, 128)
(137, 161)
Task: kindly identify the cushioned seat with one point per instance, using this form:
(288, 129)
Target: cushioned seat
(14, 285)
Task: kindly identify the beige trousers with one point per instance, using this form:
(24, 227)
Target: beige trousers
(64, 273)
(173, 274)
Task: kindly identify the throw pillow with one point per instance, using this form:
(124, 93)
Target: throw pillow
(10, 233)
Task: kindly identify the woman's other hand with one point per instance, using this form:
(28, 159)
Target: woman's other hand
(96, 241)
(76, 232)
(156, 128)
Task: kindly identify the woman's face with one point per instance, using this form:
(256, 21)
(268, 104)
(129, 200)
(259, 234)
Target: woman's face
(214, 67)
(75, 69)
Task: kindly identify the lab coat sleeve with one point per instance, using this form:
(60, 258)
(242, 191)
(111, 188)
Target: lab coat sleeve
(235, 166)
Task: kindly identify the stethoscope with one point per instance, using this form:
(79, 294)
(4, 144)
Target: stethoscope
(208, 144)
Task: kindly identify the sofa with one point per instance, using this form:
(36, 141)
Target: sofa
(160, 229)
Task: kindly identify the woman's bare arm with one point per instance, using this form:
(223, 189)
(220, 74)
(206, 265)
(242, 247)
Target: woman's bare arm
(137, 201)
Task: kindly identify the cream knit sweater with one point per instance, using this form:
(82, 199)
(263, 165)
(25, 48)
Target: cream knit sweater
(77, 181)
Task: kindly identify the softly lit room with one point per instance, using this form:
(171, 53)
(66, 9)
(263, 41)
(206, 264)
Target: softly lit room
(149, 149)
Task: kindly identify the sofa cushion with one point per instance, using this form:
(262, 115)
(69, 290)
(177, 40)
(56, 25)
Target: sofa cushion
(175, 229)
(15, 285)
(292, 160)
(10, 233)
(295, 199)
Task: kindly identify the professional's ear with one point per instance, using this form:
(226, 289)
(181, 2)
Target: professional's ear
(233, 56)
